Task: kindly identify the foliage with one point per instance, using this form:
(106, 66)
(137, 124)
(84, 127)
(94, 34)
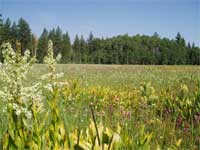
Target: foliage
(19, 101)
(23, 107)
(149, 118)
(121, 49)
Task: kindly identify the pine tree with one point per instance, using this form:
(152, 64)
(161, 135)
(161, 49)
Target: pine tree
(66, 50)
(90, 47)
(76, 50)
(1, 36)
(6, 31)
(57, 41)
(1, 20)
(33, 45)
(180, 49)
(1, 28)
(52, 34)
(122, 49)
(91, 37)
(83, 52)
(42, 46)
(14, 34)
(24, 34)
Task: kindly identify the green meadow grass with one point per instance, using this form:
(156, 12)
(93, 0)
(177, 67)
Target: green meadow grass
(121, 77)
(146, 101)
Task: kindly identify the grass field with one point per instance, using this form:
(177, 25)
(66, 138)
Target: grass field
(136, 96)
(121, 77)
(150, 107)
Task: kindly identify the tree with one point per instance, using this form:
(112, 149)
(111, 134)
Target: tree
(1, 37)
(42, 46)
(90, 47)
(66, 50)
(180, 49)
(122, 49)
(194, 55)
(1, 29)
(1, 23)
(57, 41)
(83, 50)
(97, 51)
(1, 20)
(91, 37)
(6, 31)
(76, 50)
(33, 45)
(24, 34)
(52, 34)
(14, 34)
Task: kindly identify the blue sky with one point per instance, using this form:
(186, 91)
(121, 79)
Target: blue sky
(109, 17)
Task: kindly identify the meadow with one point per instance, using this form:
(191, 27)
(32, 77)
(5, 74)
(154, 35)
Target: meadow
(121, 77)
(97, 107)
(161, 100)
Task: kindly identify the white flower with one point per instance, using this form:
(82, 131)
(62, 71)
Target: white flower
(116, 138)
(58, 57)
(48, 87)
(18, 112)
(62, 84)
(58, 75)
(46, 76)
(28, 115)
(15, 106)
(12, 74)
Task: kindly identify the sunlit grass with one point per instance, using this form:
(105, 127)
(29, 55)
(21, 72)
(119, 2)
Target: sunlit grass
(121, 76)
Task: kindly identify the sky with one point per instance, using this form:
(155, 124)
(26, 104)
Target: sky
(107, 18)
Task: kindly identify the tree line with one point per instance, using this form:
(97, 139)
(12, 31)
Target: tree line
(122, 49)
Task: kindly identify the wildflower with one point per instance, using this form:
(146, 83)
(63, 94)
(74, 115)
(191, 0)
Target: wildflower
(116, 138)
(58, 57)
(186, 127)
(59, 75)
(12, 75)
(179, 122)
(22, 100)
(18, 112)
(48, 87)
(128, 114)
(28, 114)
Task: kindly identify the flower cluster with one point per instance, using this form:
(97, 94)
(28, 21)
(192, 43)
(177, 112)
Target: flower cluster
(13, 71)
(18, 98)
(52, 76)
